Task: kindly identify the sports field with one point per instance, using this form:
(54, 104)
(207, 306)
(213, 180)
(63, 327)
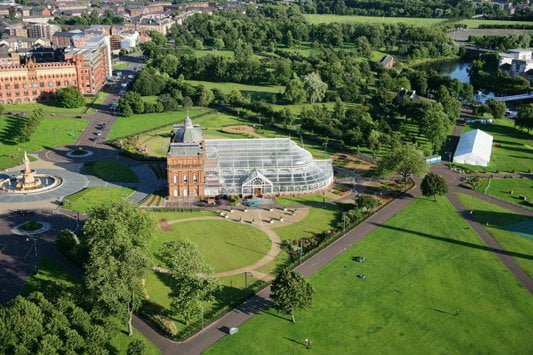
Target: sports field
(425, 22)
(433, 287)
(317, 18)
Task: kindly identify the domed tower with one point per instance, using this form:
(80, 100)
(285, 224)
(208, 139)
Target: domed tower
(186, 163)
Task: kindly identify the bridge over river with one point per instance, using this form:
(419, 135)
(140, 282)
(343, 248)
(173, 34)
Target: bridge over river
(482, 98)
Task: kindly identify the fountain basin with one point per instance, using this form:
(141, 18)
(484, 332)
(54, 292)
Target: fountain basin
(43, 182)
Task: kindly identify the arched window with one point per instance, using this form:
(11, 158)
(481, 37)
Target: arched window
(176, 192)
(185, 178)
(175, 179)
(185, 192)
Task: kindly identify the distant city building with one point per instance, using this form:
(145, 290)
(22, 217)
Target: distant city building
(518, 61)
(86, 67)
(42, 30)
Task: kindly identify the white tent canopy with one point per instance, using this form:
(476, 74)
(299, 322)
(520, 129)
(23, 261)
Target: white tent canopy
(474, 148)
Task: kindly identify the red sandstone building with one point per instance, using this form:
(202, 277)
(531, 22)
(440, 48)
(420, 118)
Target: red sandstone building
(86, 68)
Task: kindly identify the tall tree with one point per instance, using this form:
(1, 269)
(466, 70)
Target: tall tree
(70, 97)
(524, 118)
(435, 125)
(294, 91)
(117, 238)
(189, 284)
(497, 108)
(404, 159)
(291, 292)
(433, 185)
(314, 87)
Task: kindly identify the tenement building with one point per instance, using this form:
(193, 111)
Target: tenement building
(85, 67)
(199, 168)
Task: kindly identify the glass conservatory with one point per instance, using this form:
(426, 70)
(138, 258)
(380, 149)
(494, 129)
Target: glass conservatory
(263, 166)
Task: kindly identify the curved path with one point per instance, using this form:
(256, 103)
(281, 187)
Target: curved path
(274, 251)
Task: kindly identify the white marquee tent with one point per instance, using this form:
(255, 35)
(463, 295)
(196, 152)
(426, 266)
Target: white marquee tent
(474, 148)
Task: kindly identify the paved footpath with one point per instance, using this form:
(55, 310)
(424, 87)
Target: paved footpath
(218, 329)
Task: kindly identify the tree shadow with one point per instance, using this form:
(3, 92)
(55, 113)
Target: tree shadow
(457, 242)
(11, 131)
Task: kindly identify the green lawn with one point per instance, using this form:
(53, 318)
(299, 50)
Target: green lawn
(317, 18)
(94, 196)
(318, 220)
(226, 88)
(51, 132)
(500, 188)
(320, 217)
(475, 23)
(47, 108)
(171, 216)
(515, 153)
(498, 219)
(110, 170)
(225, 245)
(418, 275)
(124, 126)
(120, 66)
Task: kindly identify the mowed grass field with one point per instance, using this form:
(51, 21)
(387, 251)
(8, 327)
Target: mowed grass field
(110, 170)
(426, 22)
(124, 126)
(500, 188)
(94, 196)
(515, 150)
(49, 109)
(496, 219)
(51, 132)
(225, 245)
(318, 18)
(227, 87)
(52, 276)
(422, 268)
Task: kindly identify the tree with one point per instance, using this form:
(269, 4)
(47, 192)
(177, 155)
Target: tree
(235, 97)
(291, 292)
(67, 243)
(70, 97)
(158, 38)
(29, 125)
(136, 347)
(366, 202)
(314, 87)
(189, 286)
(1, 109)
(117, 237)
(435, 124)
(219, 44)
(524, 118)
(433, 185)
(497, 108)
(294, 91)
(187, 102)
(404, 159)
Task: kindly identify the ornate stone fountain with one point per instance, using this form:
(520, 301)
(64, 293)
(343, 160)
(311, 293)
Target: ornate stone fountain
(29, 181)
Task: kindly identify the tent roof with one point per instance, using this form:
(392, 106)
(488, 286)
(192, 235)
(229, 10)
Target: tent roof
(475, 142)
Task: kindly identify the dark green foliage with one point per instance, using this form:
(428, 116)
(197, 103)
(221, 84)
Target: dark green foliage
(524, 119)
(366, 202)
(497, 108)
(136, 347)
(29, 126)
(291, 292)
(36, 324)
(67, 243)
(70, 97)
(117, 237)
(433, 185)
(405, 160)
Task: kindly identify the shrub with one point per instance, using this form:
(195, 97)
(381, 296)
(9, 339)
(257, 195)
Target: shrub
(67, 243)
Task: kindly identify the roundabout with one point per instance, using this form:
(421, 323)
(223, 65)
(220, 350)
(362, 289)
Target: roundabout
(31, 228)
